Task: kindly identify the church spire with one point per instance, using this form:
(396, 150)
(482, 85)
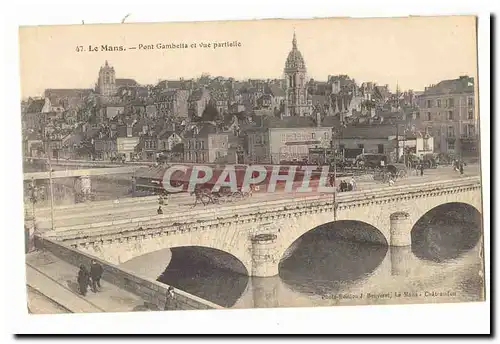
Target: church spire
(106, 63)
(294, 40)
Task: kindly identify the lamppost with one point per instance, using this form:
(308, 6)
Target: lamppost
(33, 190)
(51, 188)
(334, 151)
(334, 184)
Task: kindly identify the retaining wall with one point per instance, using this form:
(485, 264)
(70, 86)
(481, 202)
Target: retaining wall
(151, 291)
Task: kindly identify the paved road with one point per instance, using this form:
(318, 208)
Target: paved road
(109, 211)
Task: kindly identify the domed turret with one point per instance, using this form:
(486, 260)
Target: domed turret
(295, 59)
(297, 102)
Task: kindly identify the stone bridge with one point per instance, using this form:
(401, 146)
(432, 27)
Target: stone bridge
(259, 234)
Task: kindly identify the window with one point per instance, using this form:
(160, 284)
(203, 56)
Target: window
(429, 103)
(428, 116)
(426, 144)
(451, 102)
(202, 145)
(380, 149)
(470, 101)
(439, 103)
(313, 136)
(451, 131)
(451, 146)
(469, 130)
(470, 114)
(361, 146)
(450, 115)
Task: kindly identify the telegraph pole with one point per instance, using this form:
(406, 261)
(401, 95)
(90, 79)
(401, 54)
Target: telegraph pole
(51, 194)
(334, 176)
(51, 188)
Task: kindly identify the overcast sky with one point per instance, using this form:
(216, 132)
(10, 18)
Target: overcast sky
(413, 52)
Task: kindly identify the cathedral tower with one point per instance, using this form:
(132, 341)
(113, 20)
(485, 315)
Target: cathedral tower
(297, 101)
(106, 85)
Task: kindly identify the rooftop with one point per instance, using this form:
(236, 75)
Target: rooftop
(463, 84)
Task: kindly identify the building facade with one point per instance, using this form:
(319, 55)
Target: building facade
(277, 145)
(197, 102)
(172, 103)
(448, 112)
(206, 144)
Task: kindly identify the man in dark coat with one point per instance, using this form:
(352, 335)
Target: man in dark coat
(170, 298)
(83, 279)
(95, 274)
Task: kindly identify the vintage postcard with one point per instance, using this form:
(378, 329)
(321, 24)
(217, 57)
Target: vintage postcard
(251, 164)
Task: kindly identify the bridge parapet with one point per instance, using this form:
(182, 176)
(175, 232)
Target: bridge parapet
(170, 224)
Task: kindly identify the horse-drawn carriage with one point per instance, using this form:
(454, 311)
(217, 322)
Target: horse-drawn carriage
(214, 190)
(393, 172)
(206, 194)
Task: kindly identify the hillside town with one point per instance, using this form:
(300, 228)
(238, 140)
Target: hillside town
(222, 120)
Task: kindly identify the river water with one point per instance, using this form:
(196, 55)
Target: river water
(444, 264)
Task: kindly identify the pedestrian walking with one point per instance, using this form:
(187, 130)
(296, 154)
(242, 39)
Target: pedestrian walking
(462, 168)
(421, 170)
(353, 184)
(83, 280)
(170, 299)
(391, 182)
(159, 211)
(332, 180)
(95, 275)
(342, 185)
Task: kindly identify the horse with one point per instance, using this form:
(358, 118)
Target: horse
(200, 194)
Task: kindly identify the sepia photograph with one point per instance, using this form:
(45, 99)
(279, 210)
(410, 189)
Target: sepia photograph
(251, 164)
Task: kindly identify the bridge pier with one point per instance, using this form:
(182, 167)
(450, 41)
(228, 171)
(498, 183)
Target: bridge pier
(402, 260)
(265, 258)
(265, 292)
(400, 231)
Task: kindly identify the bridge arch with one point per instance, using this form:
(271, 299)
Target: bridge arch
(446, 232)
(356, 230)
(330, 257)
(225, 241)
